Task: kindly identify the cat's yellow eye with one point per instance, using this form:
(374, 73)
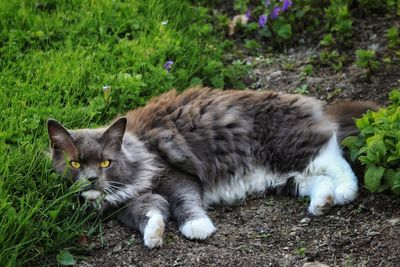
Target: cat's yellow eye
(105, 163)
(75, 164)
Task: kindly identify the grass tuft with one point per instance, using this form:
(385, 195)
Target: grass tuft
(55, 59)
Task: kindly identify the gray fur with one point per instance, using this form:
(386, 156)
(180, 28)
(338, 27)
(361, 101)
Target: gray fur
(134, 213)
(180, 145)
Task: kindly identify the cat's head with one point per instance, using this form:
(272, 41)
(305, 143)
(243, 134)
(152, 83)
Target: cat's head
(112, 164)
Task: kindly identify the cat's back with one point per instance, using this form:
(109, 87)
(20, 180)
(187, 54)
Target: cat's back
(193, 108)
(205, 107)
(220, 133)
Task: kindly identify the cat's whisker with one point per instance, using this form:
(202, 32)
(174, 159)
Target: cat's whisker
(116, 183)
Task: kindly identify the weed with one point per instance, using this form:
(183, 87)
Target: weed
(332, 58)
(327, 40)
(303, 89)
(301, 251)
(308, 70)
(366, 60)
(252, 46)
(392, 35)
(334, 93)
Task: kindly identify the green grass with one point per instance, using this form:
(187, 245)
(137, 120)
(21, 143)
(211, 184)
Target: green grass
(55, 58)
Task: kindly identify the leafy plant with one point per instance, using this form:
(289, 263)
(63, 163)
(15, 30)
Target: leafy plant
(340, 21)
(303, 89)
(332, 58)
(377, 146)
(308, 69)
(327, 40)
(366, 60)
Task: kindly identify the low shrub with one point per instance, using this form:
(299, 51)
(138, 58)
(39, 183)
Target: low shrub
(377, 146)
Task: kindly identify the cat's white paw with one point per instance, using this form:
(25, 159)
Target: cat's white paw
(200, 228)
(345, 193)
(154, 230)
(321, 205)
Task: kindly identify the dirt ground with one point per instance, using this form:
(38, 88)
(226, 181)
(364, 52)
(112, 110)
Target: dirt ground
(277, 231)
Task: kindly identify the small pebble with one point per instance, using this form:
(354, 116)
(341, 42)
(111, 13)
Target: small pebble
(394, 221)
(305, 221)
(314, 264)
(373, 233)
(276, 74)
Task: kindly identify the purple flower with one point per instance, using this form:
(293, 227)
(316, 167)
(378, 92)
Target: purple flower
(267, 3)
(286, 4)
(248, 14)
(275, 12)
(262, 20)
(168, 65)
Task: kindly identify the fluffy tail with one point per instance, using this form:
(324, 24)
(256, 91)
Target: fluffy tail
(344, 114)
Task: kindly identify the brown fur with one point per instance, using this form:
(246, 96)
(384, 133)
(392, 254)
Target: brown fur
(345, 112)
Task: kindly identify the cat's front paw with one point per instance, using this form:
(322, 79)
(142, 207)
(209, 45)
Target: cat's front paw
(200, 228)
(154, 231)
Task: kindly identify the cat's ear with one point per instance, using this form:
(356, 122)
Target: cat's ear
(112, 137)
(60, 138)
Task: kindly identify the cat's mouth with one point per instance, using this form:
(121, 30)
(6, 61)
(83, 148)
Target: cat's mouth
(94, 198)
(91, 195)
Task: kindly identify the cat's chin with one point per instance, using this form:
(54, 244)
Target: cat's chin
(94, 198)
(91, 195)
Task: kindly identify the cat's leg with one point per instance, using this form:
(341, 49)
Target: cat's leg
(148, 213)
(194, 222)
(184, 195)
(320, 189)
(332, 163)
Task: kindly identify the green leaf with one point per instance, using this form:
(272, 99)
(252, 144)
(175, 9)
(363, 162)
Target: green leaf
(65, 258)
(351, 142)
(54, 213)
(395, 97)
(393, 160)
(362, 123)
(285, 31)
(373, 177)
(265, 32)
(393, 180)
(376, 151)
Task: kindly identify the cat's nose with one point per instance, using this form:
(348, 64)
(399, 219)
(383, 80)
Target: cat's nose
(92, 179)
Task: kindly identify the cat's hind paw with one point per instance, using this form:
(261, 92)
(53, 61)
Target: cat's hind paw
(154, 231)
(200, 228)
(345, 193)
(321, 205)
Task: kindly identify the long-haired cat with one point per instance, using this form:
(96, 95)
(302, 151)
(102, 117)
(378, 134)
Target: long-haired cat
(184, 152)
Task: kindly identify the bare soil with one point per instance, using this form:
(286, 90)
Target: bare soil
(277, 231)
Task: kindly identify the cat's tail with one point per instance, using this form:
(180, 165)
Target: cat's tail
(344, 113)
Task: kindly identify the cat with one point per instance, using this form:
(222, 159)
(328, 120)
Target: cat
(181, 153)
